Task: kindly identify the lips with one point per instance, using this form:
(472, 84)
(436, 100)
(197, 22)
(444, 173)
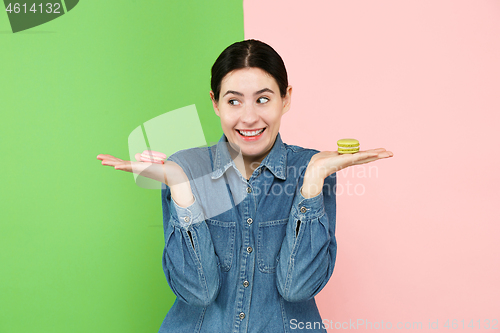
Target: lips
(251, 133)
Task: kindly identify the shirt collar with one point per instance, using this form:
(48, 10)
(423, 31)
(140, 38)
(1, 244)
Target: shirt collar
(275, 161)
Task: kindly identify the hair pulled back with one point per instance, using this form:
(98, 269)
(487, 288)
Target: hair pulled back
(249, 53)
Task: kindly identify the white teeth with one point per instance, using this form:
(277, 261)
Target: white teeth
(251, 133)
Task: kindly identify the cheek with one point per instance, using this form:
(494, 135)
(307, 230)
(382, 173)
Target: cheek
(228, 121)
(273, 119)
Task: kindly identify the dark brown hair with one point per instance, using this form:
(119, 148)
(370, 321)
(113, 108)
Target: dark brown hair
(249, 53)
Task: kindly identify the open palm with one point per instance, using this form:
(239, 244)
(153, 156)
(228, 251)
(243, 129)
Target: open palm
(326, 163)
(146, 169)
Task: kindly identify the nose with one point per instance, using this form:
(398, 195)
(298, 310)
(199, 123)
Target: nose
(250, 115)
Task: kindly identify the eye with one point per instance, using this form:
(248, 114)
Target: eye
(234, 102)
(262, 100)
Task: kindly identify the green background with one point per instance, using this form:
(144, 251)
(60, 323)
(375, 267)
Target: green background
(80, 243)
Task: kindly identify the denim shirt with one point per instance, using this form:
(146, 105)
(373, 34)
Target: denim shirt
(247, 255)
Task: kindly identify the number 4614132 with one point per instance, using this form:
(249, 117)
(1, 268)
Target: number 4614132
(49, 8)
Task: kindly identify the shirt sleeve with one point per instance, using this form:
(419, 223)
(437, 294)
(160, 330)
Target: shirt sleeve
(309, 249)
(189, 260)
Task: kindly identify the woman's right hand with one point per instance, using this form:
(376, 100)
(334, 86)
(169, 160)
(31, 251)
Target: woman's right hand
(169, 173)
(150, 170)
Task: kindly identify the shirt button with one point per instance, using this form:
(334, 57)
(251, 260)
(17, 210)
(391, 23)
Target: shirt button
(242, 315)
(249, 190)
(186, 219)
(249, 220)
(303, 209)
(246, 283)
(249, 249)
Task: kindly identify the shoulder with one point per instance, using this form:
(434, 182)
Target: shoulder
(185, 155)
(299, 150)
(299, 155)
(195, 161)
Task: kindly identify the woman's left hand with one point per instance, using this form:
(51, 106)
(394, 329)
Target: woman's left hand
(325, 163)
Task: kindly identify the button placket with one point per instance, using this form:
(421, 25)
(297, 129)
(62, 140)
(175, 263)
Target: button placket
(246, 268)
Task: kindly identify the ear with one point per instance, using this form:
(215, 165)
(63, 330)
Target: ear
(214, 103)
(287, 100)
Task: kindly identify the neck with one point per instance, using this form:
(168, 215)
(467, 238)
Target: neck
(245, 164)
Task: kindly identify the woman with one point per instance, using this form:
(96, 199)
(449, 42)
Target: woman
(249, 222)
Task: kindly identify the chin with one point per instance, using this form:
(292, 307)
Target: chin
(253, 153)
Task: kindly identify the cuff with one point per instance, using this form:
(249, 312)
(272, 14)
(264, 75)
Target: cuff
(187, 216)
(308, 209)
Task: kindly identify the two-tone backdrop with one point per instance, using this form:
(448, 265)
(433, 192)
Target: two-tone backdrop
(81, 244)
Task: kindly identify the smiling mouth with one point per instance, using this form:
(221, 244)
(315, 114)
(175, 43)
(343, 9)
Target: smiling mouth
(251, 133)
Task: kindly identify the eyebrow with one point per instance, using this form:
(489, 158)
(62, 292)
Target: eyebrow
(256, 93)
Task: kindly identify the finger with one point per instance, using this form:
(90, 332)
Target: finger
(113, 162)
(366, 161)
(125, 166)
(364, 155)
(106, 156)
(107, 159)
(378, 150)
(386, 154)
(380, 156)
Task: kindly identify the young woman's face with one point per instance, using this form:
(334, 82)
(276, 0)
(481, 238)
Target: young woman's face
(250, 108)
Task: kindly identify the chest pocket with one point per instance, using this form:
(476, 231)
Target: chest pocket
(223, 237)
(271, 235)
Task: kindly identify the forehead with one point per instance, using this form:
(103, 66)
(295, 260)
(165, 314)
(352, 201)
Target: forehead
(249, 78)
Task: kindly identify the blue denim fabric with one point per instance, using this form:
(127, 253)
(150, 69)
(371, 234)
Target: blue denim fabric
(247, 255)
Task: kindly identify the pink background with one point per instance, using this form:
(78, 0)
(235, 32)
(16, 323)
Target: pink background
(418, 236)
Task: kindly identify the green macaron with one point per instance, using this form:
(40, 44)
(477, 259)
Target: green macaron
(348, 146)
